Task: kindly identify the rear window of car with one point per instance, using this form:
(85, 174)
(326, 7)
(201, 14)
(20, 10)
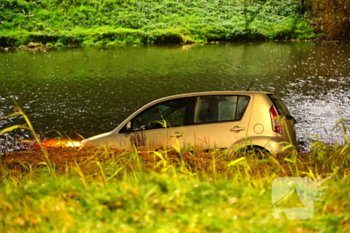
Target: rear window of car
(278, 103)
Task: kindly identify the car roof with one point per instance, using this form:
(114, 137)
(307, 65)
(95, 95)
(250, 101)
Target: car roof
(191, 94)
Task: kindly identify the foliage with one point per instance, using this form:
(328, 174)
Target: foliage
(331, 17)
(91, 22)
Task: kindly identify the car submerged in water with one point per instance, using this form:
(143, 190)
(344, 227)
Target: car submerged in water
(207, 120)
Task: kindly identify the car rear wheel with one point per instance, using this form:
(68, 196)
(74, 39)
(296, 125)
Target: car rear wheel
(252, 151)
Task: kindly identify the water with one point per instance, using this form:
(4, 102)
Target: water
(91, 90)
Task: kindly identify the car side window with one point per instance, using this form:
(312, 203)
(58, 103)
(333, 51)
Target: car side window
(163, 115)
(241, 106)
(220, 108)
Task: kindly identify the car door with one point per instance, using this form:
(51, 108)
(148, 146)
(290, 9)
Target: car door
(151, 127)
(218, 122)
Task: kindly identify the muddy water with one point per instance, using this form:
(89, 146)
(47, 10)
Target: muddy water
(91, 90)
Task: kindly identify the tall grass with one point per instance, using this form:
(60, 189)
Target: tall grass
(29, 127)
(165, 190)
(152, 191)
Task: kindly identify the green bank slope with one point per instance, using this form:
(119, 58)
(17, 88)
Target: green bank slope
(113, 22)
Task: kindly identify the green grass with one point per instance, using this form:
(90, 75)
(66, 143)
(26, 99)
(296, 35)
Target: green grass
(117, 195)
(169, 190)
(91, 22)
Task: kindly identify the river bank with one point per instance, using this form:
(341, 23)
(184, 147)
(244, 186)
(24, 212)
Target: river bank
(88, 22)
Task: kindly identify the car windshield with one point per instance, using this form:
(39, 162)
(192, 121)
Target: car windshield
(278, 103)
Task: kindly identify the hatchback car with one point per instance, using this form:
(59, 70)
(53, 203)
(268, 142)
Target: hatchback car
(207, 120)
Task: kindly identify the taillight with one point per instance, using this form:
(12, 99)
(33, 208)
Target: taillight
(276, 124)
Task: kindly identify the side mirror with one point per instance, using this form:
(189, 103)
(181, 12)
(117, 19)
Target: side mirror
(128, 127)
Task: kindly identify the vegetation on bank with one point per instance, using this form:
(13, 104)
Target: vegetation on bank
(167, 190)
(329, 18)
(106, 22)
(104, 190)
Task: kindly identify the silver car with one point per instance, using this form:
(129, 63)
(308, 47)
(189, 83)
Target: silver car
(207, 120)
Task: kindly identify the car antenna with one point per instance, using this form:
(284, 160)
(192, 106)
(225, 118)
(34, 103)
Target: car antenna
(251, 84)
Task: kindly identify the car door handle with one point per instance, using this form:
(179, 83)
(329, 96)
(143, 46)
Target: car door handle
(176, 135)
(236, 129)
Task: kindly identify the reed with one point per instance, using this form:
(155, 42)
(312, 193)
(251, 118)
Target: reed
(29, 127)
